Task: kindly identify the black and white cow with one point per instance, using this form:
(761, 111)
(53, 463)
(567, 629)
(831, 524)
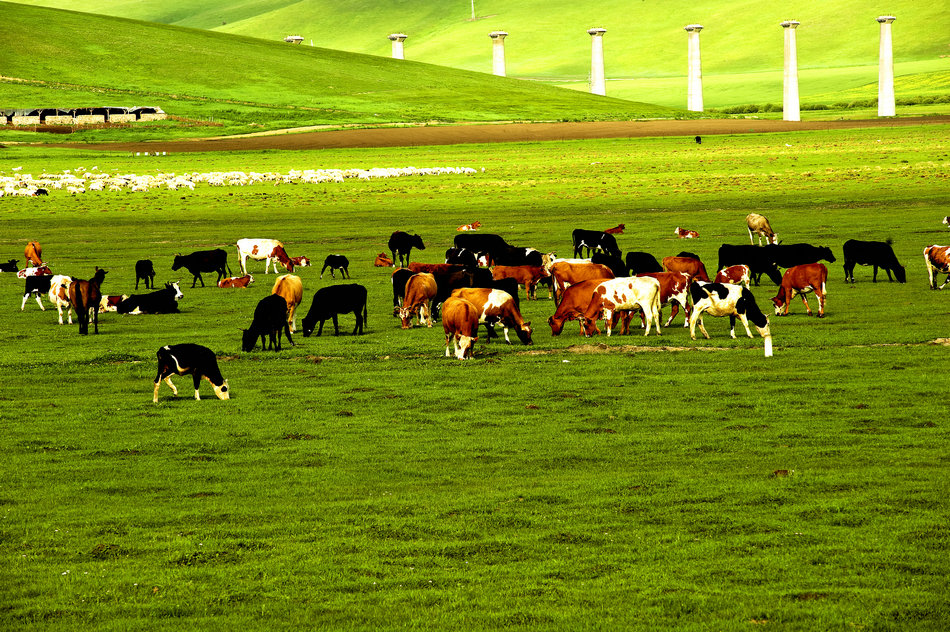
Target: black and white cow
(164, 301)
(196, 360)
(35, 285)
(594, 240)
(270, 319)
(872, 253)
(204, 261)
(333, 300)
(402, 243)
(461, 256)
(336, 262)
(726, 299)
(759, 260)
(481, 242)
(145, 271)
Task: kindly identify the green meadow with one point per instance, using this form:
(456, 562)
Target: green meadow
(368, 482)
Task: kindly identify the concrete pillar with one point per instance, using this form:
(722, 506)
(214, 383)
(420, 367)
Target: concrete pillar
(598, 83)
(790, 101)
(397, 39)
(498, 52)
(694, 72)
(886, 105)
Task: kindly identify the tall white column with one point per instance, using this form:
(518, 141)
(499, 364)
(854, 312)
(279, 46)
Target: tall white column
(498, 52)
(790, 101)
(598, 83)
(397, 39)
(886, 105)
(694, 73)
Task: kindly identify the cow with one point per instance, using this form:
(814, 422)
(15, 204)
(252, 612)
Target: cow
(270, 319)
(516, 256)
(674, 288)
(690, 266)
(616, 264)
(270, 251)
(879, 254)
(290, 287)
(34, 254)
(481, 242)
(469, 227)
(725, 299)
(9, 266)
(59, 295)
(204, 261)
(236, 282)
(937, 260)
(402, 243)
(460, 323)
(496, 306)
(759, 260)
(164, 301)
(461, 256)
(616, 230)
(684, 233)
(333, 300)
(737, 275)
(85, 297)
(110, 302)
(625, 293)
(421, 290)
(527, 275)
(196, 360)
(573, 304)
(639, 262)
(759, 225)
(336, 262)
(145, 271)
(946, 221)
(594, 240)
(399, 278)
(41, 270)
(382, 261)
(36, 285)
(791, 255)
(564, 274)
(434, 268)
(39, 192)
(802, 279)
(300, 262)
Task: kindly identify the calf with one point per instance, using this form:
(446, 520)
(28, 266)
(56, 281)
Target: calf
(674, 288)
(270, 319)
(9, 266)
(564, 274)
(336, 262)
(421, 289)
(469, 227)
(639, 262)
(937, 260)
(810, 277)
(616, 230)
(689, 266)
(204, 261)
(164, 301)
(402, 243)
(625, 293)
(85, 297)
(290, 287)
(494, 306)
(59, 295)
(382, 261)
(594, 240)
(529, 276)
(145, 271)
(185, 359)
(724, 299)
(573, 304)
(110, 302)
(737, 275)
(236, 282)
(333, 300)
(34, 254)
(41, 270)
(759, 225)
(36, 285)
(460, 323)
(872, 253)
(684, 233)
(300, 262)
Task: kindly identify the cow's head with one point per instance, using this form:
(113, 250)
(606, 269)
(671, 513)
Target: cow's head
(174, 286)
(826, 254)
(556, 326)
(466, 347)
(900, 274)
(249, 340)
(178, 263)
(590, 327)
(524, 333)
(416, 242)
(779, 302)
(223, 392)
(405, 315)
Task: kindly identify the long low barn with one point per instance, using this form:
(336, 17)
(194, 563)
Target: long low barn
(81, 116)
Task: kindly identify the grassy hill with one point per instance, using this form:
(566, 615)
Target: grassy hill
(645, 46)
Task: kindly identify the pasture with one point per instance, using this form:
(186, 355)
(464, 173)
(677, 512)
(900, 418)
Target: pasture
(371, 483)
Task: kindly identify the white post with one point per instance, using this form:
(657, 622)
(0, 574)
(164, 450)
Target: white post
(790, 101)
(694, 73)
(498, 52)
(397, 40)
(886, 105)
(598, 83)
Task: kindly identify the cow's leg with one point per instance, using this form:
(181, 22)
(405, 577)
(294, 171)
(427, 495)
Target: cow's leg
(697, 318)
(674, 310)
(805, 301)
(752, 239)
(449, 341)
(889, 278)
(197, 381)
(745, 323)
(336, 325)
(95, 318)
(608, 320)
(287, 332)
(168, 380)
(820, 295)
(874, 276)
(137, 277)
(23, 304)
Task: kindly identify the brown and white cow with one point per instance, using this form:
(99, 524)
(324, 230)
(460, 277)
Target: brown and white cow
(300, 262)
(674, 288)
(496, 306)
(694, 268)
(759, 225)
(469, 227)
(573, 304)
(565, 273)
(382, 261)
(110, 302)
(460, 323)
(421, 289)
(616, 230)
(810, 277)
(290, 287)
(261, 249)
(34, 254)
(40, 270)
(625, 293)
(59, 296)
(236, 282)
(937, 259)
(529, 276)
(737, 275)
(684, 233)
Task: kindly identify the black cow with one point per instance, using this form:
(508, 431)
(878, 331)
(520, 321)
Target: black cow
(336, 262)
(791, 255)
(270, 319)
(9, 266)
(616, 264)
(594, 240)
(461, 256)
(333, 300)
(399, 279)
(192, 359)
(403, 243)
(204, 261)
(872, 253)
(163, 301)
(145, 271)
(639, 262)
(40, 192)
(759, 260)
(36, 285)
(481, 242)
(513, 256)
(691, 255)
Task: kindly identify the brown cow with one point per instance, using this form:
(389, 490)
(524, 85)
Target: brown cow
(86, 298)
(435, 268)
(290, 287)
(674, 288)
(573, 304)
(382, 261)
(937, 259)
(737, 275)
(801, 280)
(565, 273)
(421, 289)
(687, 265)
(759, 225)
(496, 306)
(616, 230)
(33, 254)
(460, 323)
(528, 275)
(684, 233)
(236, 282)
(300, 262)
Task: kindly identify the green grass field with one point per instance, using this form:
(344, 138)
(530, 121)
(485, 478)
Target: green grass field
(371, 483)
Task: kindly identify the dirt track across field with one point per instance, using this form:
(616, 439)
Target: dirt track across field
(499, 133)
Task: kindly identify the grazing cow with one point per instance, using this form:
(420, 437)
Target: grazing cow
(791, 255)
(461, 257)
(399, 278)
(336, 262)
(684, 233)
(937, 259)
(402, 243)
(496, 306)
(640, 262)
(690, 266)
(145, 271)
(192, 359)
(616, 264)
(594, 240)
(40, 192)
(204, 261)
(36, 285)
(737, 275)
(527, 275)
(460, 323)
(9, 266)
(469, 227)
(42, 270)
(110, 302)
(300, 262)
(759, 260)
(564, 274)
(724, 299)
(573, 304)
(333, 300)
(421, 289)
(625, 293)
(290, 287)
(270, 251)
(164, 301)
(810, 277)
(85, 297)
(759, 225)
(616, 230)
(236, 282)
(674, 289)
(482, 242)
(34, 254)
(59, 295)
(872, 253)
(382, 261)
(270, 319)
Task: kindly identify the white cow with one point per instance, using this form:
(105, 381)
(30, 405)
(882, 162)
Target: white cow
(625, 293)
(759, 225)
(59, 296)
(260, 249)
